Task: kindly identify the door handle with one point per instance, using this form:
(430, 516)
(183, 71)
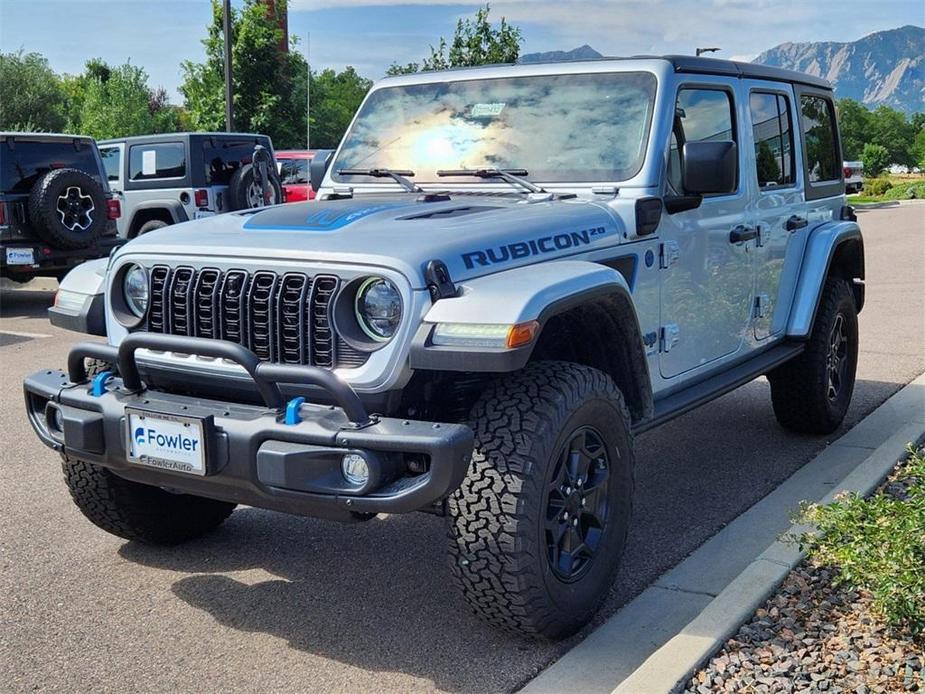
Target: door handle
(742, 233)
(795, 222)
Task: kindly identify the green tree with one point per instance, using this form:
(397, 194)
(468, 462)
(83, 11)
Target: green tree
(31, 94)
(875, 158)
(475, 42)
(335, 98)
(266, 80)
(890, 129)
(854, 123)
(918, 149)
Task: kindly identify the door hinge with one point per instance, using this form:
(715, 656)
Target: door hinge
(671, 335)
(668, 254)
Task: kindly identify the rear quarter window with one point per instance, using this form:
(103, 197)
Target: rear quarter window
(818, 121)
(293, 171)
(157, 160)
(24, 163)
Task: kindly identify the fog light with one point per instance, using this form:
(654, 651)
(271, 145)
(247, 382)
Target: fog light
(355, 469)
(58, 421)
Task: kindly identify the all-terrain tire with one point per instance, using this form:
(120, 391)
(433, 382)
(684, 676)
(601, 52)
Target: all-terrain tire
(138, 511)
(151, 225)
(67, 209)
(801, 389)
(500, 552)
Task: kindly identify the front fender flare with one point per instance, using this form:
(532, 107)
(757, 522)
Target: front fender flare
(80, 302)
(837, 239)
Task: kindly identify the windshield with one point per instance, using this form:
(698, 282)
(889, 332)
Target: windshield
(559, 128)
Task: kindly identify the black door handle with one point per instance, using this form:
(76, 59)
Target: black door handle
(795, 223)
(742, 233)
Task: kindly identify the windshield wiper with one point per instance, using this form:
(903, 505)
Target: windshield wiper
(512, 176)
(400, 176)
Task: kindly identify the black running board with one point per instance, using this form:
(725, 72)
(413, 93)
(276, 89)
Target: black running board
(701, 392)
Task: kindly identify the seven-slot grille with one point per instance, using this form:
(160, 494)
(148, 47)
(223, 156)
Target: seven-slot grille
(283, 318)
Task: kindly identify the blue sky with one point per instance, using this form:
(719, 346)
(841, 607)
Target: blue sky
(370, 34)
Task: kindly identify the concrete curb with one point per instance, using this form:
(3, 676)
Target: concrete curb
(662, 637)
(669, 668)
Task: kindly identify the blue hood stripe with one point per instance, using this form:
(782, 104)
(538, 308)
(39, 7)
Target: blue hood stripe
(321, 216)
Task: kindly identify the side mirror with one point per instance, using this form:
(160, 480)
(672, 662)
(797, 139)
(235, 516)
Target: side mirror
(709, 167)
(319, 167)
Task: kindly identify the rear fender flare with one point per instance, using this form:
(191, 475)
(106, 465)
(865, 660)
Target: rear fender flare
(835, 246)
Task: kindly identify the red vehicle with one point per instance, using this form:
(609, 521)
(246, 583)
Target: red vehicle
(293, 172)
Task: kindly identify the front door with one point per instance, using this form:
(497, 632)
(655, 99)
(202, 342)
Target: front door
(706, 280)
(779, 209)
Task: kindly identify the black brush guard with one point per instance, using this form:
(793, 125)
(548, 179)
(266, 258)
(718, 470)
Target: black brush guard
(283, 456)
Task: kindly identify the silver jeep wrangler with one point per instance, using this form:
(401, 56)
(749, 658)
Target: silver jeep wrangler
(509, 272)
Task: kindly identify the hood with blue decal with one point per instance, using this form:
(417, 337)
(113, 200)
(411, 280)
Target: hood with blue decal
(473, 234)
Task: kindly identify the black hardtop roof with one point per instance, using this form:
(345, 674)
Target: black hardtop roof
(159, 137)
(716, 66)
(43, 137)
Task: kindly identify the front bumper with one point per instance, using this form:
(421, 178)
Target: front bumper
(261, 456)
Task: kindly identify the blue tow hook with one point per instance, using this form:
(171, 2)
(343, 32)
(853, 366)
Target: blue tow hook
(292, 411)
(99, 383)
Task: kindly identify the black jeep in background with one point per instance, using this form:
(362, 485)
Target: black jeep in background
(56, 209)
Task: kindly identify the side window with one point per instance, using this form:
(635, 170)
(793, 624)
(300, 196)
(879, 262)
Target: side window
(773, 139)
(818, 120)
(700, 114)
(160, 160)
(111, 162)
(294, 171)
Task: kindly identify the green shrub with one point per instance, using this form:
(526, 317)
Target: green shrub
(878, 545)
(906, 191)
(877, 186)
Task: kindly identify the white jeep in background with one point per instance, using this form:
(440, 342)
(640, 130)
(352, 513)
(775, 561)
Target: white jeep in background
(174, 177)
(508, 273)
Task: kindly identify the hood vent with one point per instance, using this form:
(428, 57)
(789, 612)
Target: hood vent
(449, 213)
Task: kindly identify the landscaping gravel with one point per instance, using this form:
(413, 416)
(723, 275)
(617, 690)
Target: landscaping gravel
(812, 636)
(815, 636)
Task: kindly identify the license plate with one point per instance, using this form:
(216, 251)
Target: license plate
(202, 214)
(20, 256)
(166, 441)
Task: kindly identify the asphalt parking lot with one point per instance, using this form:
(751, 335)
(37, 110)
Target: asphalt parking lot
(275, 603)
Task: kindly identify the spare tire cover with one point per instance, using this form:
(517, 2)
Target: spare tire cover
(67, 209)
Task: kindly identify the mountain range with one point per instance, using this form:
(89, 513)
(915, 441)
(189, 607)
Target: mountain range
(886, 67)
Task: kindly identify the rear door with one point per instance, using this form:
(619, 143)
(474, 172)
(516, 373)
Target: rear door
(778, 208)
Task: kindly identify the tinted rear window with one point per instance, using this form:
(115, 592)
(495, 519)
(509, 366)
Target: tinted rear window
(222, 157)
(24, 163)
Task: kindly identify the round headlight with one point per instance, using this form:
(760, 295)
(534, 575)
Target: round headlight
(135, 290)
(378, 308)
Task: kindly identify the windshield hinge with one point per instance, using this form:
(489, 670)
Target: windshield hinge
(439, 283)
